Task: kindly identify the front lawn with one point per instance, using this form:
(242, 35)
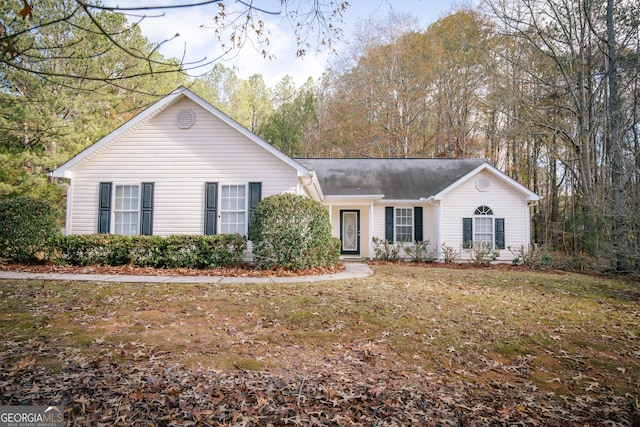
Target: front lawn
(409, 345)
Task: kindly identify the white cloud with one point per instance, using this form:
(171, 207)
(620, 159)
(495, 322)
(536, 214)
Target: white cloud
(284, 62)
(198, 41)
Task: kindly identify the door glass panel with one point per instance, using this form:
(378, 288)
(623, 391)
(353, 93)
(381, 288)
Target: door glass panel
(350, 231)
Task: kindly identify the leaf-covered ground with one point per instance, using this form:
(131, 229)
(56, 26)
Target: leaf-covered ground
(407, 346)
(236, 271)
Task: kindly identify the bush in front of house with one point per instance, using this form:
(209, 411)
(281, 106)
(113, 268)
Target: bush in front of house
(188, 251)
(176, 251)
(91, 249)
(386, 250)
(27, 227)
(292, 232)
(482, 253)
(419, 251)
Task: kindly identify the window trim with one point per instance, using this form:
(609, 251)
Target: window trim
(417, 224)
(486, 213)
(221, 211)
(114, 211)
(396, 225)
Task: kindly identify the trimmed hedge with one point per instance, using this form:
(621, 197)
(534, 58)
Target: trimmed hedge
(27, 227)
(293, 232)
(176, 251)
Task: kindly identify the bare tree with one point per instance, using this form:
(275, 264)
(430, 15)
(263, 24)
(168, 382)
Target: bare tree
(586, 60)
(81, 30)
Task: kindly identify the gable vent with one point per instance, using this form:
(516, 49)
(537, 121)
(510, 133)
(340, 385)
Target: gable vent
(185, 119)
(483, 184)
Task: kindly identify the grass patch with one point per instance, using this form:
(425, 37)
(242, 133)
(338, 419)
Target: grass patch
(562, 332)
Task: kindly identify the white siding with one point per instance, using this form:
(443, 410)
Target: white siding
(430, 227)
(502, 198)
(179, 162)
(429, 222)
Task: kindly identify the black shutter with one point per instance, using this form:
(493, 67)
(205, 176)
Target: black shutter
(104, 208)
(499, 223)
(388, 223)
(255, 195)
(467, 233)
(417, 224)
(146, 211)
(210, 207)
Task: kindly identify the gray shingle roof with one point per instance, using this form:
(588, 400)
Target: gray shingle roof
(397, 179)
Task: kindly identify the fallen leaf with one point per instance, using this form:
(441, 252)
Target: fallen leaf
(26, 10)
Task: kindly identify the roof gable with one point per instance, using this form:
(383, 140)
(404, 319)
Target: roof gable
(66, 170)
(530, 195)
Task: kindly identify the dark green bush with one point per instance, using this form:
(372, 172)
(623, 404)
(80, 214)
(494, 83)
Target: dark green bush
(203, 251)
(148, 251)
(180, 251)
(176, 251)
(90, 249)
(27, 228)
(293, 232)
(221, 250)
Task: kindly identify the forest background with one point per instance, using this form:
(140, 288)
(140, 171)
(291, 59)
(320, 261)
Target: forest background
(547, 90)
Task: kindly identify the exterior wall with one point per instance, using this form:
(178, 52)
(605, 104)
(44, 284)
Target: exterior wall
(179, 162)
(429, 222)
(504, 201)
(430, 228)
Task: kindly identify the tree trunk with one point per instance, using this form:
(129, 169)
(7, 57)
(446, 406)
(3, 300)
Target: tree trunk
(615, 150)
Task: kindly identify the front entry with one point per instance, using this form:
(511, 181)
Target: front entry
(350, 232)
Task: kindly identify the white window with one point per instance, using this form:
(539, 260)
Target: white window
(404, 225)
(126, 210)
(483, 226)
(233, 209)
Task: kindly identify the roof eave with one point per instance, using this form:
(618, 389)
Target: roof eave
(421, 200)
(311, 181)
(354, 196)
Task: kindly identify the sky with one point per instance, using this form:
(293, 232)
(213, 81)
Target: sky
(197, 42)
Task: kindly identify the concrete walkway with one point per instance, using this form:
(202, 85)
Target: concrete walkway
(352, 271)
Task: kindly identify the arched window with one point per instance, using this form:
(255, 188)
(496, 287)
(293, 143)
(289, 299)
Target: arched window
(483, 227)
(483, 210)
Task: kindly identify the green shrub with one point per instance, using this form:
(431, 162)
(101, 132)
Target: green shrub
(148, 251)
(221, 250)
(180, 251)
(203, 251)
(27, 229)
(90, 249)
(292, 232)
(176, 251)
